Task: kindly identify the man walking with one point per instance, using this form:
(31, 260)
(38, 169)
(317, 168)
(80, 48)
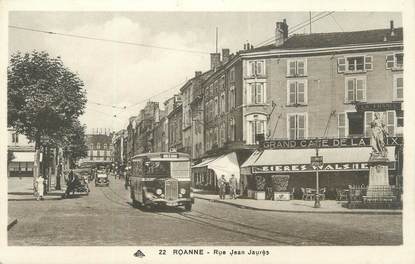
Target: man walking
(233, 184)
(222, 187)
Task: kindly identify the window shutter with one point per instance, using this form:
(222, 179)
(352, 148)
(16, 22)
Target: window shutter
(301, 126)
(252, 93)
(350, 90)
(390, 61)
(258, 93)
(341, 65)
(291, 92)
(360, 90)
(259, 68)
(291, 65)
(390, 122)
(300, 92)
(368, 63)
(368, 120)
(291, 126)
(300, 68)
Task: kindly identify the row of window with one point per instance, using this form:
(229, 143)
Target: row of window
(348, 124)
(217, 106)
(347, 64)
(105, 146)
(218, 137)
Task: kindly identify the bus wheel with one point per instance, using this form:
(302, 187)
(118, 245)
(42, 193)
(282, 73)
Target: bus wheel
(188, 207)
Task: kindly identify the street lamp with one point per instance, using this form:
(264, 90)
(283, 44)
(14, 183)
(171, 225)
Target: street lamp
(317, 161)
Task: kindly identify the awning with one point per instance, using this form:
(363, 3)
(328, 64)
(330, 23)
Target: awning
(223, 165)
(293, 160)
(23, 157)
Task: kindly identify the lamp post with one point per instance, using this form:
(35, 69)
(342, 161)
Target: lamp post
(317, 195)
(316, 162)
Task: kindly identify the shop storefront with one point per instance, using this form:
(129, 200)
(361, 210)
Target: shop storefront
(206, 174)
(22, 164)
(285, 166)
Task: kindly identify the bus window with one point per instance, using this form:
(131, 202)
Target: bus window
(180, 169)
(157, 168)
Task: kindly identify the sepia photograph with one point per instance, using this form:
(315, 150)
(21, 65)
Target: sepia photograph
(205, 129)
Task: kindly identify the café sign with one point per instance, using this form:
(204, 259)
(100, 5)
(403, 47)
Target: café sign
(291, 168)
(326, 143)
(362, 107)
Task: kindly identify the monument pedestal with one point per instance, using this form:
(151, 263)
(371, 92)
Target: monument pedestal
(379, 189)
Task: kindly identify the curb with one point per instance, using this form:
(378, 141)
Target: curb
(302, 211)
(11, 224)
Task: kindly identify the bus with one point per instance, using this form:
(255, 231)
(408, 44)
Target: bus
(161, 178)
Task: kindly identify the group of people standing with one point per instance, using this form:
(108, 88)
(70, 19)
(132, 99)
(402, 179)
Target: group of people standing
(233, 184)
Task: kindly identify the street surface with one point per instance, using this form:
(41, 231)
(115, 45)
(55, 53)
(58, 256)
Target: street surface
(106, 218)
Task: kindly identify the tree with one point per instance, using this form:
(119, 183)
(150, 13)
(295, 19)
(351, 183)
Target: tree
(43, 98)
(76, 147)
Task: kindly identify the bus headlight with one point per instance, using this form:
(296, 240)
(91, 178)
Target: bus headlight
(182, 190)
(159, 191)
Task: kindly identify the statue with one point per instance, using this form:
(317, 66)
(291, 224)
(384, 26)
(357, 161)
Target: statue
(379, 133)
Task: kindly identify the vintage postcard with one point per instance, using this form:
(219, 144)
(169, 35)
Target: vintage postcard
(178, 133)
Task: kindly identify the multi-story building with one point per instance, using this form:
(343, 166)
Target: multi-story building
(324, 85)
(192, 96)
(174, 111)
(148, 117)
(23, 153)
(118, 147)
(99, 148)
(160, 133)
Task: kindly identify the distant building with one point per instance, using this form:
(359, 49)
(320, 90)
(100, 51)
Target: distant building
(23, 151)
(99, 148)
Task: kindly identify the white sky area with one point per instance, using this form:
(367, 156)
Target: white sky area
(123, 75)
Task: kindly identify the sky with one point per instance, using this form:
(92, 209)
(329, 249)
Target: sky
(120, 79)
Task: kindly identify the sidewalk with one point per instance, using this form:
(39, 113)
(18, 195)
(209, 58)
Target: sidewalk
(293, 206)
(21, 189)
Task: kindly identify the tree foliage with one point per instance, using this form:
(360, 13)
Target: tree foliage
(44, 98)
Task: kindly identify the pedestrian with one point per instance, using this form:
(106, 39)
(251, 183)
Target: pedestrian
(40, 188)
(233, 184)
(222, 187)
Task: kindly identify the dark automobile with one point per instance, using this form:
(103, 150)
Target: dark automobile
(101, 178)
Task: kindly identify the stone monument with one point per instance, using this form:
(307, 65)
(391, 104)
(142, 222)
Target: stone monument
(379, 189)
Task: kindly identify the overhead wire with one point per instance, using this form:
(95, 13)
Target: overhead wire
(107, 40)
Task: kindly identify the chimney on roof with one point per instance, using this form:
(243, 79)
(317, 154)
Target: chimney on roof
(214, 60)
(281, 32)
(225, 55)
(392, 29)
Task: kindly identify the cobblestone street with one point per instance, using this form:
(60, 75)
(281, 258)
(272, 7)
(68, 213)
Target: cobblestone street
(106, 217)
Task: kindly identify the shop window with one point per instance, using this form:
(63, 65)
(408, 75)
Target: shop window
(354, 64)
(256, 93)
(394, 61)
(296, 92)
(256, 68)
(297, 126)
(397, 87)
(355, 89)
(297, 67)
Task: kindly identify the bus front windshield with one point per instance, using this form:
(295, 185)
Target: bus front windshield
(167, 169)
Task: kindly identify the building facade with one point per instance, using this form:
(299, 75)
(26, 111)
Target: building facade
(22, 152)
(99, 148)
(325, 86)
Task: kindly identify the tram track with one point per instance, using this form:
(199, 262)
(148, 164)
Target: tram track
(201, 218)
